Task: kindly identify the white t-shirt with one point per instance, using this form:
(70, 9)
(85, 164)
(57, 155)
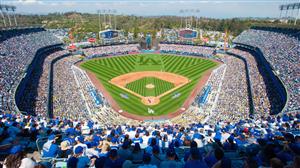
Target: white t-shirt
(85, 130)
(25, 163)
(91, 152)
(145, 139)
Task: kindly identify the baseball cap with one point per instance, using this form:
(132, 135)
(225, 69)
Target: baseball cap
(15, 149)
(52, 137)
(78, 150)
(114, 140)
(80, 139)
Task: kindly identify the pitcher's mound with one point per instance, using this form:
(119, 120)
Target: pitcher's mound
(150, 86)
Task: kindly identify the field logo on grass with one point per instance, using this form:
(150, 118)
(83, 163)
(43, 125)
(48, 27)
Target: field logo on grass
(176, 95)
(150, 111)
(125, 96)
(148, 61)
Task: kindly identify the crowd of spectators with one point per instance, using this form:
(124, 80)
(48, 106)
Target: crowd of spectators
(9, 33)
(73, 138)
(102, 112)
(228, 99)
(34, 99)
(201, 112)
(261, 92)
(215, 83)
(186, 49)
(67, 100)
(268, 142)
(233, 101)
(111, 50)
(17, 51)
(282, 52)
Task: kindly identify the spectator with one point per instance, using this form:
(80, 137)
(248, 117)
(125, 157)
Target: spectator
(195, 159)
(18, 159)
(124, 152)
(65, 149)
(50, 149)
(172, 160)
(114, 160)
(147, 162)
(80, 142)
(276, 163)
(137, 154)
(156, 157)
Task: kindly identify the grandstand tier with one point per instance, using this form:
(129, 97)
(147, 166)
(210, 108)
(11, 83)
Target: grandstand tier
(246, 115)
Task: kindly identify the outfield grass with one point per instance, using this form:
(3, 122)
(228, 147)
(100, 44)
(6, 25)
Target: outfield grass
(108, 68)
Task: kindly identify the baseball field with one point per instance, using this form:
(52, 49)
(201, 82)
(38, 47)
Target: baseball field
(149, 84)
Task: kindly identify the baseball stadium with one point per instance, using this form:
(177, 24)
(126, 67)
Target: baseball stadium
(149, 84)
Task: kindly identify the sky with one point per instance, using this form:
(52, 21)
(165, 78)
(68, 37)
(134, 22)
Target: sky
(203, 8)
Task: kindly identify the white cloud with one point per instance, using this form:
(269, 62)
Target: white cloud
(23, 2)
(69, 4)
(29, 1)
(213, 8)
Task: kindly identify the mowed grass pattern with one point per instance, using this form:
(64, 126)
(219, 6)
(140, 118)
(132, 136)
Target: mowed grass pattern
(110, 67)
(139, 86)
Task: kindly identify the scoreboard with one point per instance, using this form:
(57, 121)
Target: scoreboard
(109, 34)
(188, 33)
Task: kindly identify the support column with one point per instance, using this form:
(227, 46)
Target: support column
(3, 17)
(16, 23)
(296, 18)
(8, 16)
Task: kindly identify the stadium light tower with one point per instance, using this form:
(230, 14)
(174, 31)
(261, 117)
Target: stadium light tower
(109, 19)
(115, 18)
(290, 7)
(13, 9)
(104, 17)
(297, 16)
(2, 15)
(192, 11)
(8, 15)
(189, 18)
(99, 19)
(181, 17)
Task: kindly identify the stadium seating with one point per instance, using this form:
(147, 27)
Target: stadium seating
(235, 143)
(186, 49)
(281, 49)
(17, 51)
(86, 133)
